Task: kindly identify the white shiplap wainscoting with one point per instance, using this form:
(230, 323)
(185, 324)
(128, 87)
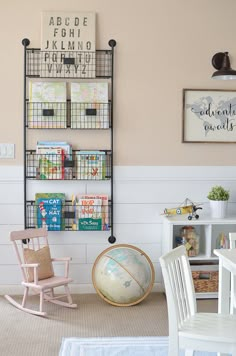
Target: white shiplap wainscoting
(140, 195)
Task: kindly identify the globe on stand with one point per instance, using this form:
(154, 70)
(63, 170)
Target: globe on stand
(123, 275)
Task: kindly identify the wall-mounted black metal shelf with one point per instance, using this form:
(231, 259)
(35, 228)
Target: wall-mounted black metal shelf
(76, 66)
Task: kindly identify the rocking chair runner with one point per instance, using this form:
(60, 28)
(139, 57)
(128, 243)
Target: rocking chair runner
(33, 254)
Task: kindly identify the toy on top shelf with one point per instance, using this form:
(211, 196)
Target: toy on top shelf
(187, 207)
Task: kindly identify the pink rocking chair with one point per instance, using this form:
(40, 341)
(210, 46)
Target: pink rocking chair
(35, 261)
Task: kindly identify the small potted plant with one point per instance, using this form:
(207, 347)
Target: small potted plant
(218, 197)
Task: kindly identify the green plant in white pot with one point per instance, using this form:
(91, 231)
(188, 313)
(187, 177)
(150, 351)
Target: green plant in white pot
(218, 197)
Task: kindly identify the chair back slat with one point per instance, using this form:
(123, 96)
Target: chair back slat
(184, 309)
(187, 301)
(175, 286)
(179, 285)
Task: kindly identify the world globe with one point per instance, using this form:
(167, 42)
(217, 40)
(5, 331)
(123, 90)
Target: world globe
(123, 275)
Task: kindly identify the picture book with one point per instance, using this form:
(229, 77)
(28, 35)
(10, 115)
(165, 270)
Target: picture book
(89, 105)
(91, 165)
(89, 214)
(50, 163)
(104, 207)
(67, 153)
(50, 210)
(47, 105)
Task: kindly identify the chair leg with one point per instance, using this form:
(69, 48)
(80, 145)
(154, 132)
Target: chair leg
(41, 301)
(233, 295)
(51, 293)
(68, 294)
(25, 296)
(173, 349)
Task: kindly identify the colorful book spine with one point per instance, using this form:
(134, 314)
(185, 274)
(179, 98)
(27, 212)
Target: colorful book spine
(89, 214)
(91, 165)
(50, 211)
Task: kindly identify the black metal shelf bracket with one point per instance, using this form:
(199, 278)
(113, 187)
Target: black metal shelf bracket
(112, 238)
(25, 43)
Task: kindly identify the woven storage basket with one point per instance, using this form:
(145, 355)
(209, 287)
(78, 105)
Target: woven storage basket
(205, 281)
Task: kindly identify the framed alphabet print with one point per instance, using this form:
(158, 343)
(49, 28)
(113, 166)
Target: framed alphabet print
(68, 45)
(209, 115)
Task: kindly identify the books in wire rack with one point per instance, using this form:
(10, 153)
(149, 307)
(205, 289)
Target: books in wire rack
(50, 210)
(50, 163)
(89, 105)
(57, 154)
(47, 105)
(92, 212)
(91, 165)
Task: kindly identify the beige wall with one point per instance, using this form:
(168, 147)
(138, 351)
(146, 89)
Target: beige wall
(163, 46)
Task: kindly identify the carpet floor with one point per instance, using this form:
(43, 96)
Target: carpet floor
(29, 335)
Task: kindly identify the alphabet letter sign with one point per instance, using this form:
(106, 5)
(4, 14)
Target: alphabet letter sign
(68, 44)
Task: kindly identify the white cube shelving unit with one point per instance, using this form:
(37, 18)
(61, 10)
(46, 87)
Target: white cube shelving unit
(208, 229)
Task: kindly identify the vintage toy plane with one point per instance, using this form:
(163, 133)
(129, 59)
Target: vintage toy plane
(187, 207)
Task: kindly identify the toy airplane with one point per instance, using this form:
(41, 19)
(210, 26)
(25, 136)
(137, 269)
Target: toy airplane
(187, 207)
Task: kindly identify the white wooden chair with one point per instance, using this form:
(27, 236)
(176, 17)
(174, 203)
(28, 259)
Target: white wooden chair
(232, 244)
(35, 262)
(188, 329)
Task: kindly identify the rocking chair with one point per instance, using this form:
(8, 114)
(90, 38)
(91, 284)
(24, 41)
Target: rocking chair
(35, 261)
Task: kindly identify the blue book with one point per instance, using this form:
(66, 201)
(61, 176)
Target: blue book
(50, 211)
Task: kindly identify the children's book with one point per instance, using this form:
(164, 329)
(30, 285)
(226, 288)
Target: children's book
(50, 162)
(104, 207)
(47, 105)
(89, 214)
(89, 105)
(91, 165)
(67, 152)
(50, 210)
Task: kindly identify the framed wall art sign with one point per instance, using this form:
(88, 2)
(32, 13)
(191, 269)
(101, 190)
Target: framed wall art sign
(68, 31)
(209, 115)
(68, 44)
